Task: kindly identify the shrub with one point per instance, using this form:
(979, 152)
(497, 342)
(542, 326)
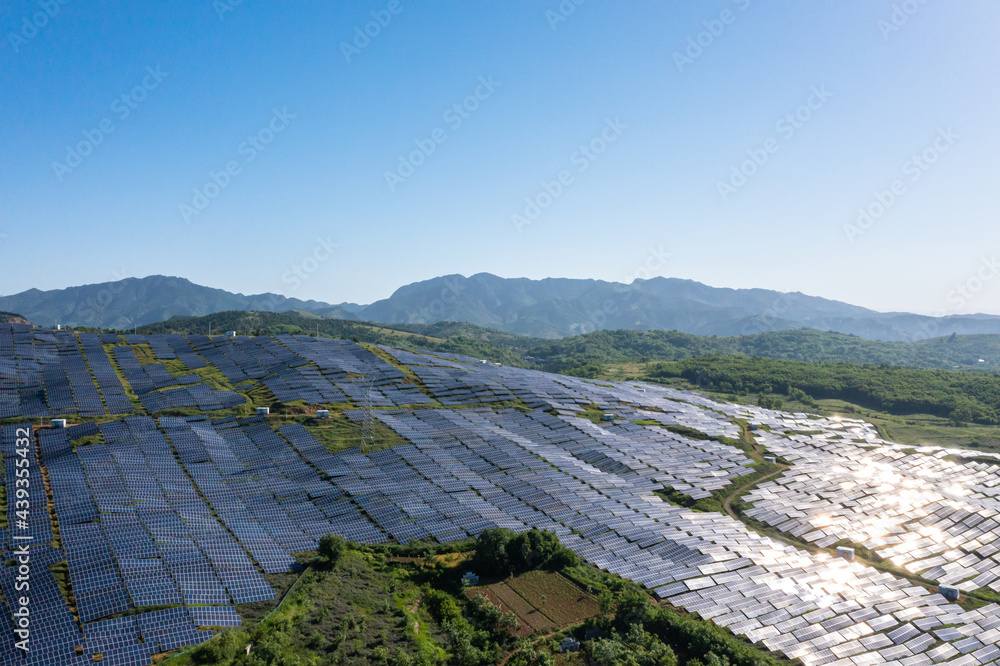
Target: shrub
(331, 550)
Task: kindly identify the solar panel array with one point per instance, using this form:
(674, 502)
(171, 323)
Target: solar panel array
(30, 388)
(192, 512)
(151, 382)
(56, 636)
(110, 385)
(46, 373)
(10, 403)
(341, 372)
(182, 350)
(52, 373)
(82, 390)
(38, 525)
(942, 520)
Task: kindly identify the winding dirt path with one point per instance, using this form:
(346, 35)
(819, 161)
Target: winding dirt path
(727, 503)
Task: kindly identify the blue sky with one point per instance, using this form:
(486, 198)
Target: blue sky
(273, 146)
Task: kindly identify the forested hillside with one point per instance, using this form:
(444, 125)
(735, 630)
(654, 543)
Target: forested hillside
(963, 397)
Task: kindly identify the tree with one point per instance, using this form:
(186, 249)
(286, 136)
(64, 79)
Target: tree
(400, 658)
(490, 557)
(711, 659)
(269, 650)
(489, 614)
(634, 607)
(799, 395)
(510, 622)
(537, 549)
(500, 552)
(331, 550)
(221, 648)
(606, 601)
(442, 607)
(768, 402)
(636, 648)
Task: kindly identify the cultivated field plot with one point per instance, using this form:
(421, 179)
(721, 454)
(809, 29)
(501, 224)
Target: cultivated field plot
(530, 619)
(189, 512)
(555, 596)
(541, 601)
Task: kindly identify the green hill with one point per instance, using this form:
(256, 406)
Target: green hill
(949, 353)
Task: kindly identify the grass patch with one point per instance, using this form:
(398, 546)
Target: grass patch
(214, 378)
(89, 440)
(594, 414)
(255, 611)
(922, 430)
(129, 391)
(973, 459)
(745, 443)
(144, 354)
(531, 619)
(738, 487)
(362, 611)
(555, 596)
(387, 357)
(339, 433)
(60, 571)
(686, 431)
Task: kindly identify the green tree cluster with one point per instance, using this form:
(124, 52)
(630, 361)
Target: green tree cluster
(965, 397)
(500, 552)
(964, 351)
(331, 550)
(635, 648)
(478, 643)
(702, 643)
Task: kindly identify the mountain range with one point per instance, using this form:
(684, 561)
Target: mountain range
(550, 308)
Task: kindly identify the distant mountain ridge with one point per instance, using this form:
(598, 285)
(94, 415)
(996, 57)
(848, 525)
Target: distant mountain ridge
(137, 301)
(549, 308)
(559, 307)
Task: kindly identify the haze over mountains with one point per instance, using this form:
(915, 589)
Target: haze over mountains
(549, 308)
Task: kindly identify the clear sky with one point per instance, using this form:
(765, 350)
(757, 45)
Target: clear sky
(729, 142)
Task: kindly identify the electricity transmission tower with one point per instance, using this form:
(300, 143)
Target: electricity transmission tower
(368, 406)
(98, 307)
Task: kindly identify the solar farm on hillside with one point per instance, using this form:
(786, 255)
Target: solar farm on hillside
(188, 513)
